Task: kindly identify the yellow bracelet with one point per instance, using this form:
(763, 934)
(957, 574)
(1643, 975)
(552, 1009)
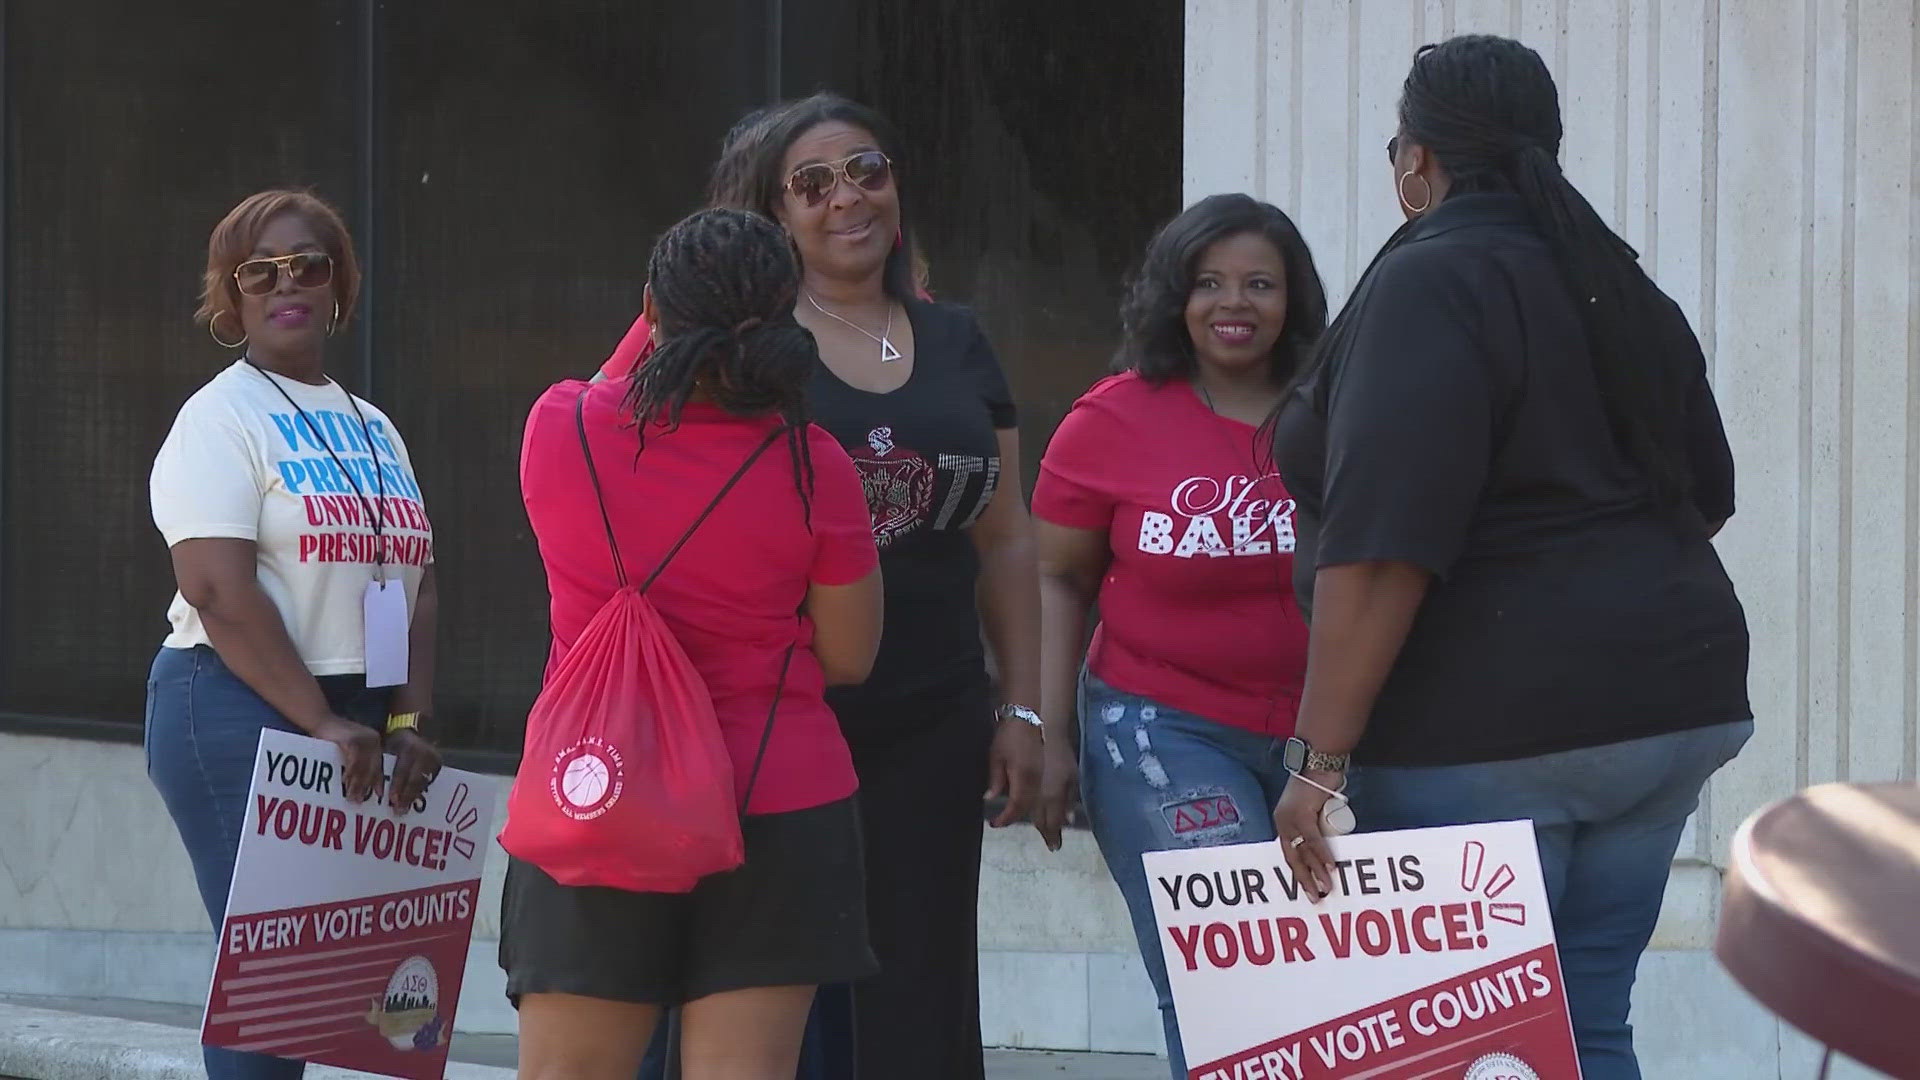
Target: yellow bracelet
(403, 721)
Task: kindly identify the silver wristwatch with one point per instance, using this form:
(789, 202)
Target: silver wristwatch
(1021, 713)
(1300, 756)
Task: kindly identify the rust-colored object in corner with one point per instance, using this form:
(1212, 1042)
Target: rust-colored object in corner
(1821, 920)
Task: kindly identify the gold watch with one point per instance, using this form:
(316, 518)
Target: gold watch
(406, 721)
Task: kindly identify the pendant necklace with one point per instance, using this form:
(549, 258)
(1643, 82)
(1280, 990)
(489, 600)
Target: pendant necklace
(888, 354)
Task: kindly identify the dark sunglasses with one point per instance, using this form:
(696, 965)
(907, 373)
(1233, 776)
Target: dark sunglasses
(811, 184)
(1393, 149)
(308, 269)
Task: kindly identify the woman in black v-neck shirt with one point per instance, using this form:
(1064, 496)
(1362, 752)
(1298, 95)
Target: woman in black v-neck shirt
(1508, 466)
(913, 392)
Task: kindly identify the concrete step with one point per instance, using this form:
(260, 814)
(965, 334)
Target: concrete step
(112, 1039)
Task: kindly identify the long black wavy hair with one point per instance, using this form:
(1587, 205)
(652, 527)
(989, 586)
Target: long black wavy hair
(1153, 315)
(723, 284)
(1487, 108)
(749, 174)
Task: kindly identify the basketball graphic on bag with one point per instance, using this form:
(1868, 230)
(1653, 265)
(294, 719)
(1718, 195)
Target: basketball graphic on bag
(585, 782)
(587, 779)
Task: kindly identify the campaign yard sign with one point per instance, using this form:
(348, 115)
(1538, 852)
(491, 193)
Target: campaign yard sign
(1432, 958)
(347, 926)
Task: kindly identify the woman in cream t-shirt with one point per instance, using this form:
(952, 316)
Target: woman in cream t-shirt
(303, 555)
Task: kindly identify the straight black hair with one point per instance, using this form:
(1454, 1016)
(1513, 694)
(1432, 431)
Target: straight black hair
(1153, 315)
(749, 174)
(1486, 107)
(723, 286)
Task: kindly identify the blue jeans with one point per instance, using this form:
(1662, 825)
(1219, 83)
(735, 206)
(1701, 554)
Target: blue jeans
(1154, 778)
(1607, 820)
(202, 732)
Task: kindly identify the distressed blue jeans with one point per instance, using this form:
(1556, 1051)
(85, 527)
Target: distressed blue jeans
(1154, 778)
(1607, 820)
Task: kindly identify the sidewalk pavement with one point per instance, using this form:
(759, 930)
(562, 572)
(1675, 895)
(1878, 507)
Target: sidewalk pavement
(110, 1039)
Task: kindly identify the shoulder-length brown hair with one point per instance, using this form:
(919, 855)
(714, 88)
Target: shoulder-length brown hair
(232, 244)
(749, 175)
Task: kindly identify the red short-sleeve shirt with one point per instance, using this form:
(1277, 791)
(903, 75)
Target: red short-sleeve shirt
(732, 595)
(1197, 608)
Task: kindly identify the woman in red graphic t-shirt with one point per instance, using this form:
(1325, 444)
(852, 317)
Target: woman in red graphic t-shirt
(784, 566)
(1155, 500)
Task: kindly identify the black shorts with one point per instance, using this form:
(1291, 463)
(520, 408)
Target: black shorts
(794, 915)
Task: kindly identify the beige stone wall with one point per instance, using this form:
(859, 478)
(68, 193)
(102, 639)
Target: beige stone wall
(1761, 156)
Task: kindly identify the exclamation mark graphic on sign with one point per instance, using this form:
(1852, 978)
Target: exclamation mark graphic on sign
(1473, 863)
(1472, 857)
(1502, 878)
(1509, 913)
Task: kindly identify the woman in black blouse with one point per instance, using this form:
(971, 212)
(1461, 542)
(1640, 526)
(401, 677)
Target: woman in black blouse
(1508, 466)
(913, 391)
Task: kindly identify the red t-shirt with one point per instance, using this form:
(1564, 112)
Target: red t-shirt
(1197, 607)
(731, 595)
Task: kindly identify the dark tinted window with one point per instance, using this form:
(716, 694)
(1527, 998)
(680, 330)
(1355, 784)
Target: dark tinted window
(130, 132)
(505, 179)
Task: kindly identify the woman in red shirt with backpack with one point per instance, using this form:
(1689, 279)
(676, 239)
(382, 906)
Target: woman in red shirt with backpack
(773, 596)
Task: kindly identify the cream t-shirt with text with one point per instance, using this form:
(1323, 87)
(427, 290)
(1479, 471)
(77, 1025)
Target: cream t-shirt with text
(240, 462)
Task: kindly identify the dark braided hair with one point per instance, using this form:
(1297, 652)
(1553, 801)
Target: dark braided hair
(723, 284)
(1487, 109)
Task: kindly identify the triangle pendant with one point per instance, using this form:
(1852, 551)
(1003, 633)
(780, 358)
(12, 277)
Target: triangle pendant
(888, 354)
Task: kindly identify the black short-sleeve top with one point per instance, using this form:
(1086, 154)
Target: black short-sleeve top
(928, 455)
(1463, 432)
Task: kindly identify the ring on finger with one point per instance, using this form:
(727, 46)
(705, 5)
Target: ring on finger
(1296, 841)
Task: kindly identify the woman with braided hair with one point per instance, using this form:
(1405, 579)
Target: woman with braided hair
(591, 969)
(1509, 467)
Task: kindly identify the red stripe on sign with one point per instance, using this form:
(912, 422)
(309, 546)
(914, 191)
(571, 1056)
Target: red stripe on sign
(283, 986)
(272, 962)
(1516, 1006)
(295, 1025)
(375, 981)
(287, 1009)
(1454, 1064)
(298, 974)
(301, 1046)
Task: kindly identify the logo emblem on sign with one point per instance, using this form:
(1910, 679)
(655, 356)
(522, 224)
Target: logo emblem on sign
(587, 779)
(1500, 1067)
(409, 1015)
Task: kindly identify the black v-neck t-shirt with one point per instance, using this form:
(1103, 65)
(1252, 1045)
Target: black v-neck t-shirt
(929, 458)
(1463, 432)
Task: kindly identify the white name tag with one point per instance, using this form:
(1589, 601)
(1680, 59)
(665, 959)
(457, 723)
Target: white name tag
(387, 624)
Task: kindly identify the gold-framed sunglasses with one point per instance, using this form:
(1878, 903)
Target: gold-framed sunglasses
(870, 170)
(308, 269)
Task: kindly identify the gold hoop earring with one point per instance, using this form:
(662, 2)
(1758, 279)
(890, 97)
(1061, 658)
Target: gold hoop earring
(1400, 189)
(214, 333)
(335, 324)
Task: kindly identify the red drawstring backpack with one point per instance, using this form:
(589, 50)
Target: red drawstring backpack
(625, 781)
